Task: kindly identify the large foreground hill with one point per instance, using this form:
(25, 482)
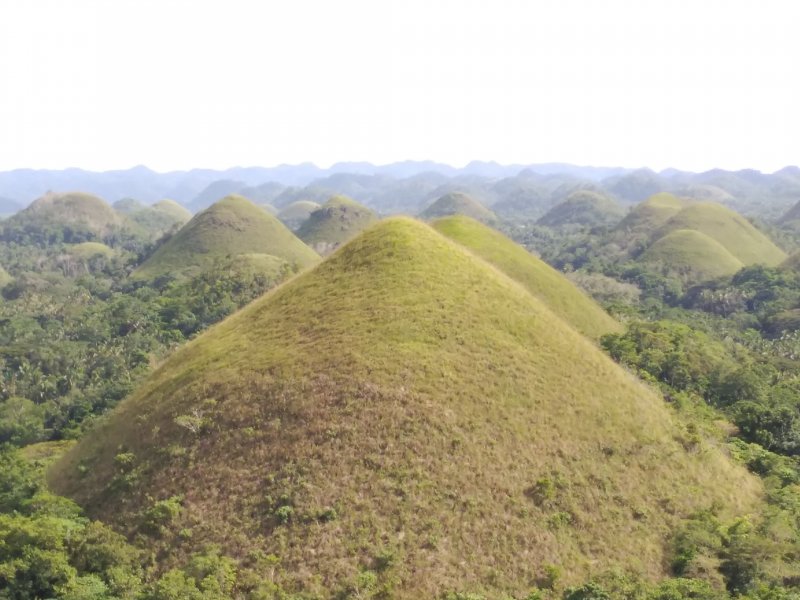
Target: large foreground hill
(406, 409)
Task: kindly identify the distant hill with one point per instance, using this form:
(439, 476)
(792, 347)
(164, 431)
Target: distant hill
(334, 223)
(584, 207)
(8, 206)
(297, 213)
(649, 215)
(90, 250)
(406, 408)
(458, 203)
(152, 222)
(213, 192)
(557, 292)
(635, 186)
(730, 229)
(691, 255)
(72, 218)
(230, 227)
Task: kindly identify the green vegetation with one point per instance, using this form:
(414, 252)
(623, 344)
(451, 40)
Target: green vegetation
(541, 280)
(403, 408)
(730, 229)
(691, 256)
(57, 218)
(297, 213)
(334, 223)
(586, 208)
(652, 213)
(228, 228)
(458, 203)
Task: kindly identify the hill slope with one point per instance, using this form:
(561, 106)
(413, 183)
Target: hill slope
(459, 203)
(403, 408)
(692, 255)
(649, 215)
(583, 207)
(297, 213)
(334, 223)
(735, 233)
(232, 226)
(72, 217)
(540, 279)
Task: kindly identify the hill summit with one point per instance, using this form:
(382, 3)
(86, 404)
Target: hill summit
(406, 411)
(459, 203)
(70, 217)
(584, 207)
(231, 227)
(540, 279)
(334, 223)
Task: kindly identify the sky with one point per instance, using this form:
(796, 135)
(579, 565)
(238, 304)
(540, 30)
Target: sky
(172, 84)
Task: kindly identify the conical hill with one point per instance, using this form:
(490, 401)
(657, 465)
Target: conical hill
(69, 217)
(459, 203)
(691, 255)
(232, 226)
(335, 222)
(540, 279)
(729, 228)
(405, 409)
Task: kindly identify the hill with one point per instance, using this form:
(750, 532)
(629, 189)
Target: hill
(584, 207)
(169, 207)
(232, 226)
(649, 215)
(72, 217)
(691, 255)
(90, 250)
(335, 222)
(405, 413)
(297, 213)
(540, 279)
(459, 203)
(730, 229)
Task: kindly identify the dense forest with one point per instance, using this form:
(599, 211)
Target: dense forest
(339, 324)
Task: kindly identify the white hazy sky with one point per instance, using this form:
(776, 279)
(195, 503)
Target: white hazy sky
(172, 84)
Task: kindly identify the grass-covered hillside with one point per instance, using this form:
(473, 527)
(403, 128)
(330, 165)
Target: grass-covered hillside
(232, 226)
(691, 255)
(459, 203)
(584, 207)
(335, 222)
(540, 279)
(297, 213)
(735, 233)
(55, 218)
(649, 215)
(404, 417)
(152, 222)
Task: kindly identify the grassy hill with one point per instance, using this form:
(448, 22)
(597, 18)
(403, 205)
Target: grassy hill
(584, 207)
(407, 414)
(649, 215)
(232, 226)
(459, 203)
(335, 222)
(89, 250)
(297, 213)
(539, 278)
(72, 217)
(691, 255)
(730, 229)
(177, 211)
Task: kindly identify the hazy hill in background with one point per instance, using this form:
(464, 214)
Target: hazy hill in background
(515, 191)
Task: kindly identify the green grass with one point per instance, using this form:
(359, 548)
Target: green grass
(651, 214)
(405, 399)
(692, 256)
(179, 213)
(297, 213)
(75, 210)
(584, 207)
(232, 226)
(540, 279)
(334, 223)
(458, 203)
(735, 233)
